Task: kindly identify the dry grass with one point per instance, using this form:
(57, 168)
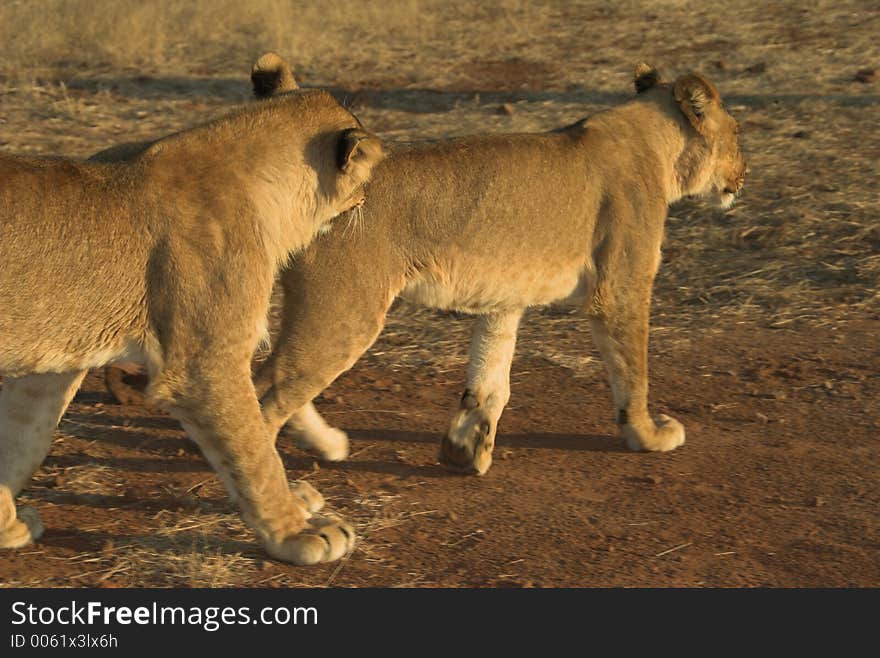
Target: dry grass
(801, 248)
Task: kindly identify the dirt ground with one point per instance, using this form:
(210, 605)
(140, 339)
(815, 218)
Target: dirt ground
(764, 340)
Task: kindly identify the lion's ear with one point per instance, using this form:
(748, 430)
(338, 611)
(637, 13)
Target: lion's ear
(695, 96)
(271, 75)
(357, 152)
(646, 77)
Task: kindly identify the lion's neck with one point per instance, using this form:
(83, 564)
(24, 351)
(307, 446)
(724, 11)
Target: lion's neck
(665, 142)
(286, 208)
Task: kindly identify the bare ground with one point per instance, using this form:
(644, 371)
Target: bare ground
(765, 323)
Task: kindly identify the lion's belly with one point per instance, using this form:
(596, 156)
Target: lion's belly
(468, 292)
(31, 354)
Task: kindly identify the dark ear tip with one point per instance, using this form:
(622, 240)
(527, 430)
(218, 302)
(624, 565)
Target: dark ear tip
(271, 74)
(646, 77)
(264, 83)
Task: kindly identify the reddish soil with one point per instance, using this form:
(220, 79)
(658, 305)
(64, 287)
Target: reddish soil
(777, 485)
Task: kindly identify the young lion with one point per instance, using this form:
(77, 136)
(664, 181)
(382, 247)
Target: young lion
(169, 259)
(492, 224)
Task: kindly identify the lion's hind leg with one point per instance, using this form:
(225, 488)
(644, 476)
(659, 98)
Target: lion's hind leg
(468, 443)
(311, 432)
(126, 382)
(30, 408)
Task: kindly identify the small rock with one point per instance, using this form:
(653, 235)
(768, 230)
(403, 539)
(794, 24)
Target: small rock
(452, 516)
(866, 75)
(763, 418)
(646, 479)
(506, 109)
(758, 67)
(389, 484)
(816, 501)
(507, 453)
(800, 134)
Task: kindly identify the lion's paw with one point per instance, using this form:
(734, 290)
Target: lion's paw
(666, 435)
(326, 539)
(330, 444)
(310, 497)
(467, 446)
(25, 529)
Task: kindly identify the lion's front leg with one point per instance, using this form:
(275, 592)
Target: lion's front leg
(468, 443)
(621, 334)
(279, 394)
(220, 412)
(30, 408)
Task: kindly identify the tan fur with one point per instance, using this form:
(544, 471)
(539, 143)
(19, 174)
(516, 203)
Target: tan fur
(169, 259)
(492, 224)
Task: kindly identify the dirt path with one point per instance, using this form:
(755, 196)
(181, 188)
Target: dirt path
(776, 486)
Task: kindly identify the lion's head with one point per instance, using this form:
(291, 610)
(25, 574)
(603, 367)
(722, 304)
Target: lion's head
(712, 163)
(357, 150)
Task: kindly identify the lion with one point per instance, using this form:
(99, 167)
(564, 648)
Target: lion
(490, 225)
(168, 259)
